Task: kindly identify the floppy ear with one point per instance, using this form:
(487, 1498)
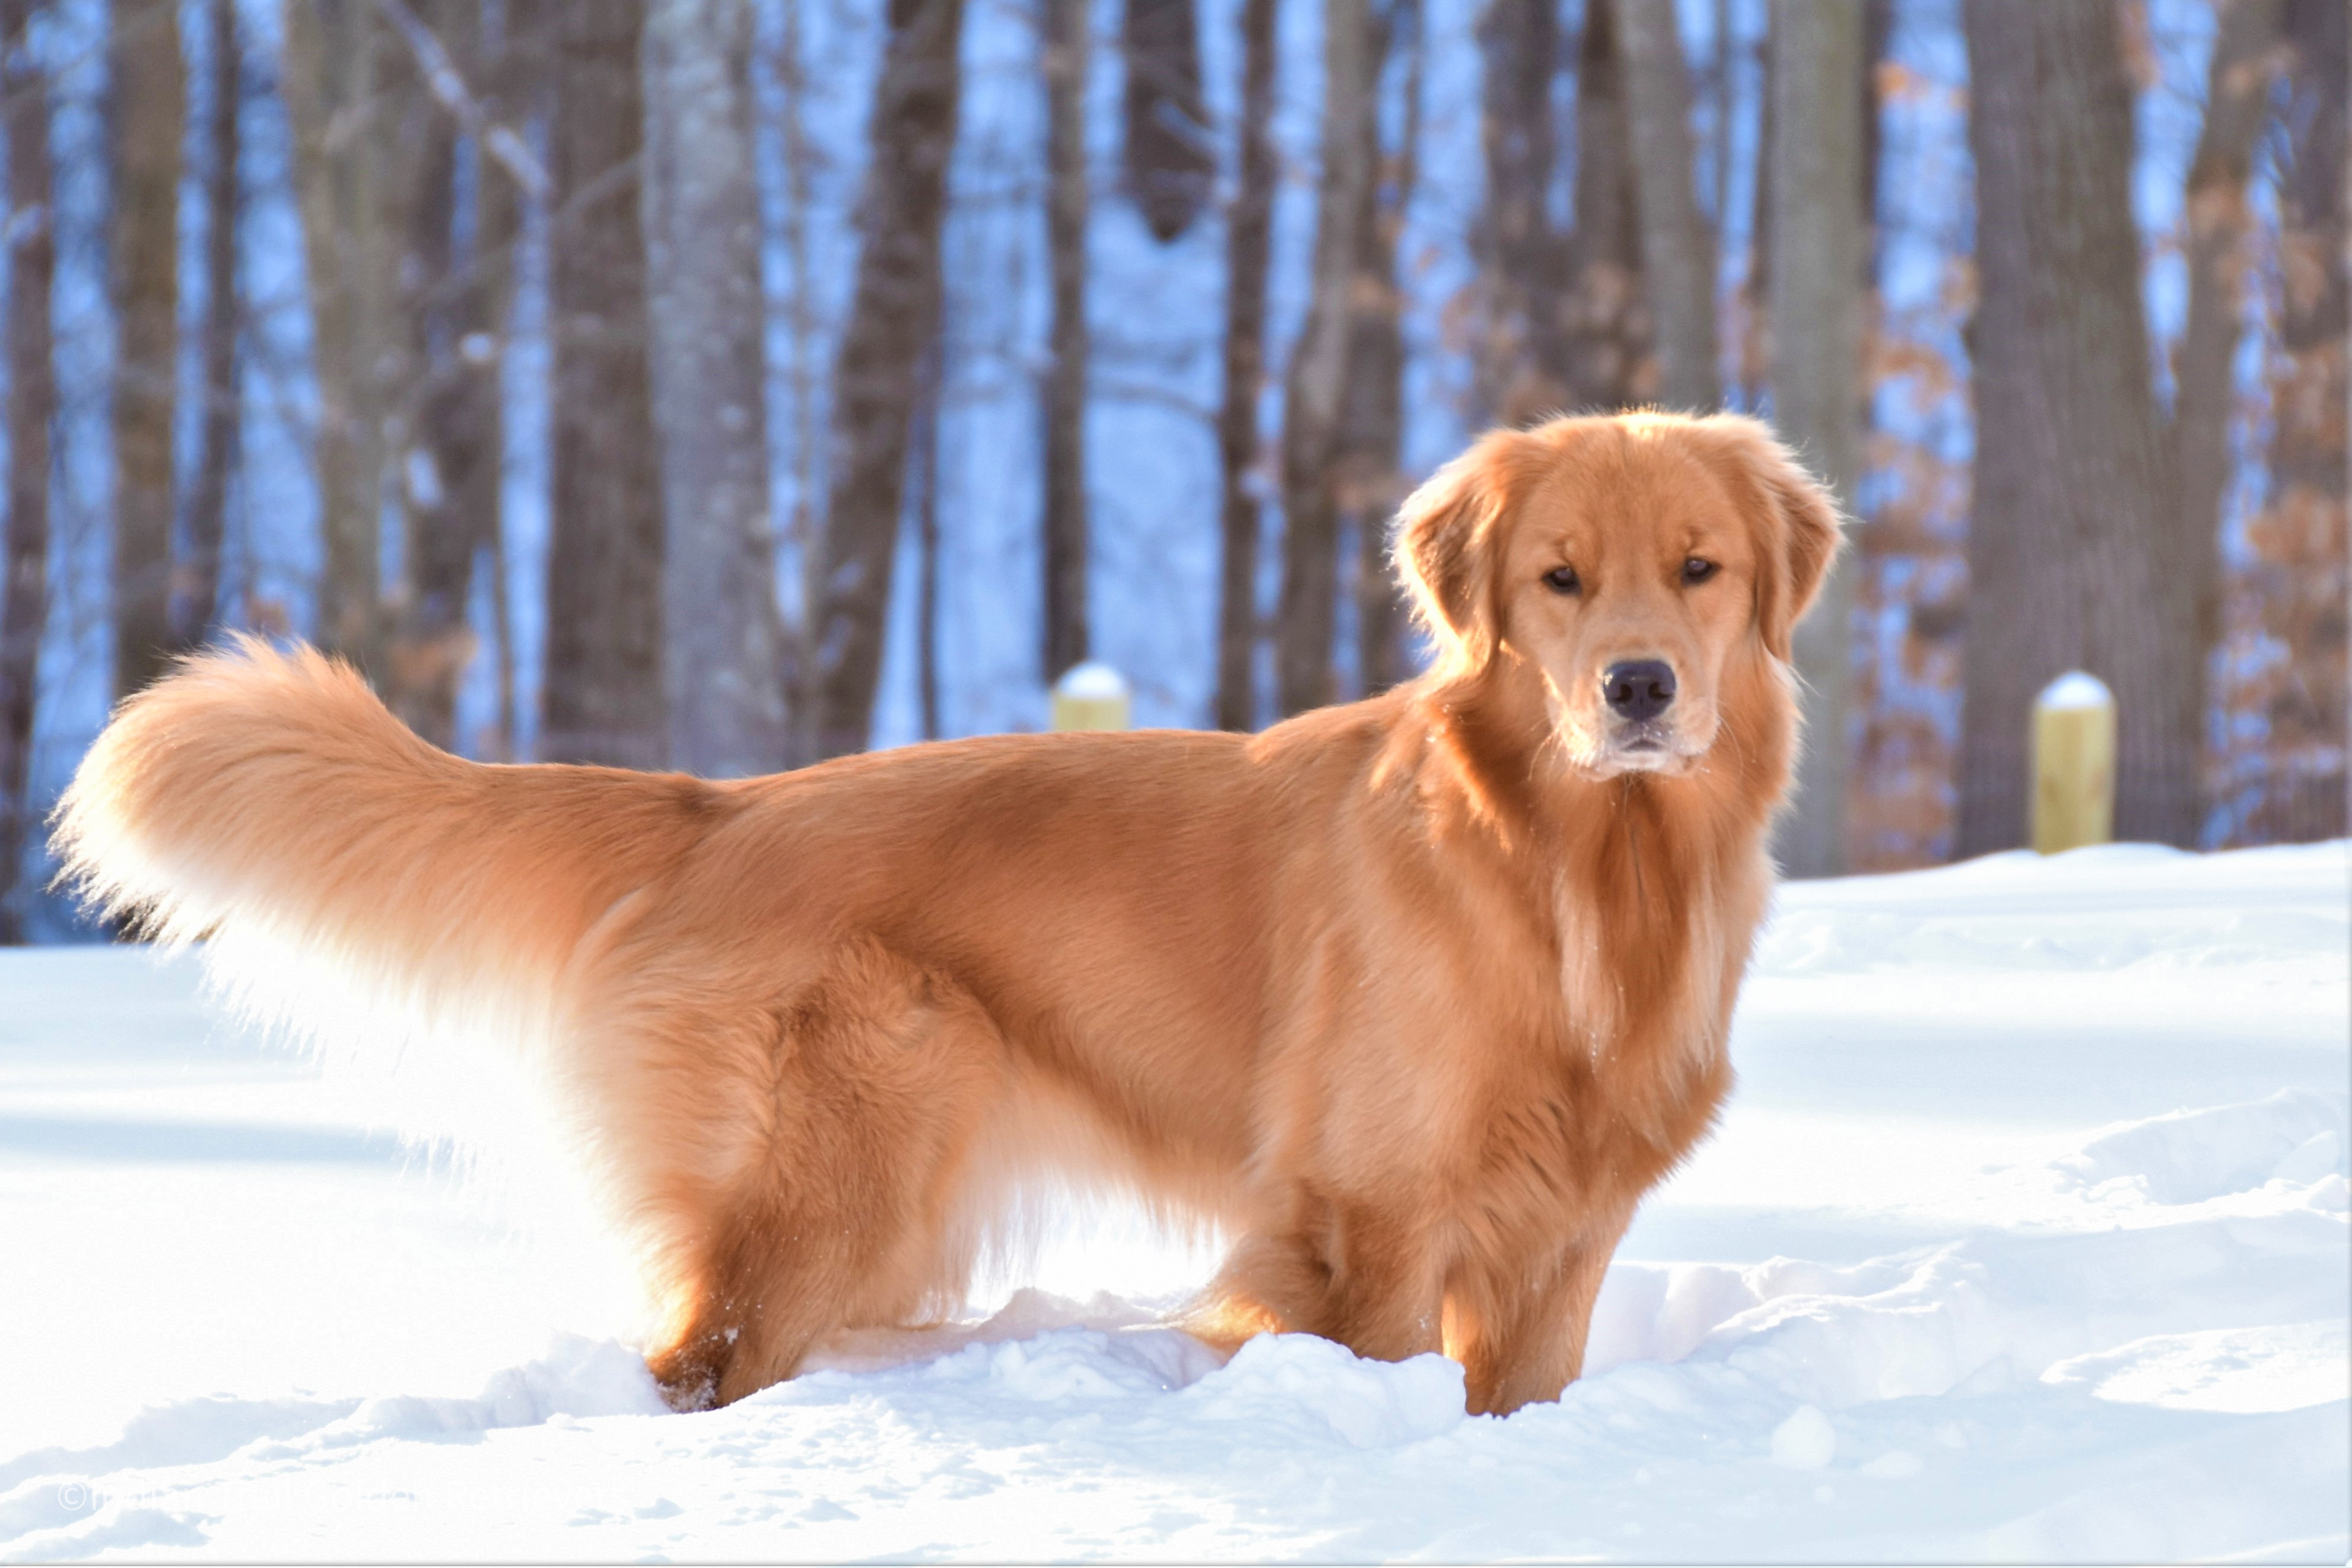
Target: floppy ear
(1798, 537)
(1444, 543)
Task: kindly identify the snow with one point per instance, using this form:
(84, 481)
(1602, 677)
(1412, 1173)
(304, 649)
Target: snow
(1092, 682)
(2076, 689)
(2025, 1238)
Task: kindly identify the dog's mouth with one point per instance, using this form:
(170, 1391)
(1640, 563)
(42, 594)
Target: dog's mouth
(1644, 747)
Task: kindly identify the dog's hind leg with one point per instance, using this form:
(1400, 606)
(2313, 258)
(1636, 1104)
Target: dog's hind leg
(878, 1074)
(1342, 1269)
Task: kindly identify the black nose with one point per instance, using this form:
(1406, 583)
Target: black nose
(1638, 689)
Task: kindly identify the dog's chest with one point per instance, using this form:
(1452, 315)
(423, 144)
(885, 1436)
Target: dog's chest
(1634, 973)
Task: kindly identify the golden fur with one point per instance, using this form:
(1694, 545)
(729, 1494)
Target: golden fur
(1414, 997)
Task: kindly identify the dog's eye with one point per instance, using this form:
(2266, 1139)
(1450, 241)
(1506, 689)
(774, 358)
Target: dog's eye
(1697, 570)
(1563, 579)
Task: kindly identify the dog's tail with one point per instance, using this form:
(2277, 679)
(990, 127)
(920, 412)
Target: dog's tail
(267, 800)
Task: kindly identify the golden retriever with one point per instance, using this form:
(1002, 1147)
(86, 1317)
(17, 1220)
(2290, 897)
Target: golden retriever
(1413, 997)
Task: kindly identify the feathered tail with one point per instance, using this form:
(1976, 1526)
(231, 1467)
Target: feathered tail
(267, 798)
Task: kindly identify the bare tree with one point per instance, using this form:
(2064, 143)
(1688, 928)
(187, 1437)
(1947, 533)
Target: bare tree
(1371, 427)
(1248, 245)
(148, 106)
(1755, 287)
(1564, 325)
(894, 317)
(702, 237)
(1677, 246)
(32, 405)
(1353, 43)
(449, 420)
(353, 102)
(195, 588)
(924, 477)
(1820, 252)
(2237, 105)
(1520, 356)
(2300, 536)
(2066, 542)
(1171, 162)
(603, 685)
(1066, 47)
(1606, 359)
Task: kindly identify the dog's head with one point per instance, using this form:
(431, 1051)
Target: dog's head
(1630, 569)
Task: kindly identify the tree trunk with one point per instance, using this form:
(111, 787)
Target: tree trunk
(1248, 245)
(32, 405)
(1519, 357)
(1819, 252)
(196, 589)
(150, 124)
(1066, 54)
(450, 418)
(351, 98)
(603, 691)
(1756, 288)
(709, 372)
(2237, 107)
(2300, 540)
(924, 475)
(1605, 319)
(2069, 544)
(1171, 161)
(1678, 248)
(1319, 370)
(430, 638)
(1371, 459)
(894, 318)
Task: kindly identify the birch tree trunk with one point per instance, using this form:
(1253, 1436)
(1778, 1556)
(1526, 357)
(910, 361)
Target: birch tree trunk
(2237, 107)
(196, 589)
(1248, 244)
(151, 123)
(1066, 46)
(702, 240)
(1820, 253)
(2065, 539)
(603, 687)
(1678, 247)
(1319, 370)
(32, 405)
(894, 318)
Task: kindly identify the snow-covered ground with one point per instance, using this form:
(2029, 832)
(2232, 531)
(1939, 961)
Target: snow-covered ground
(2025, 1237)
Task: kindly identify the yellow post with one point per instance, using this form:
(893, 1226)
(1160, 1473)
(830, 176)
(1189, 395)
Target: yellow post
(2073, 764)
(1090, 696)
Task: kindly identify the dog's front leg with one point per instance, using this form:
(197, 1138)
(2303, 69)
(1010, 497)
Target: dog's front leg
(1524, 1335)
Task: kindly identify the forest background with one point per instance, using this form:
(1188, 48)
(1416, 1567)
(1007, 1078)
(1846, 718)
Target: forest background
(726, 384)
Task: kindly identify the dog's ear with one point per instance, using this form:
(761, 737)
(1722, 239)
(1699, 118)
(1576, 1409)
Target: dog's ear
(1798, 532)
(1444, 540)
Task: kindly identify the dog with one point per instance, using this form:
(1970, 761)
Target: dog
(1414, 997)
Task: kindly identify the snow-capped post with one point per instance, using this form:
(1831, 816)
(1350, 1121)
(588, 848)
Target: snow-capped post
(1091, 695)
(2074, 763)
